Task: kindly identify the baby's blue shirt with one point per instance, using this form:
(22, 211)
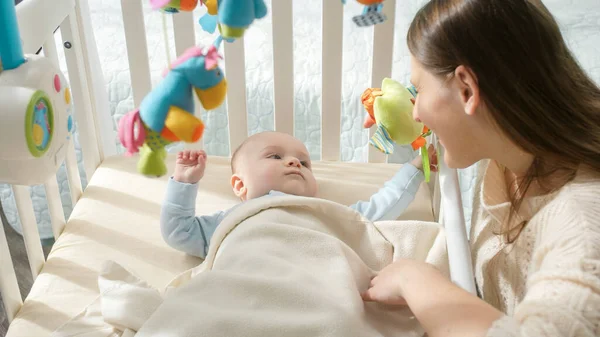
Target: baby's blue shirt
(185, 231)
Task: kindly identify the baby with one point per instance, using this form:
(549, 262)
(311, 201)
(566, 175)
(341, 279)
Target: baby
(267, 164)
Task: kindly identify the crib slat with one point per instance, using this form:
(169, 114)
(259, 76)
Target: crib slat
(331, 97)
(57, 217)
(95, 78)
(459, 255)
(183, 27)
(9, 288)
(137, 50)
(381, 66)
(73, 174)
(31, 236)
(283, 65)
(50, 50)
(235, 72)
(82, 104)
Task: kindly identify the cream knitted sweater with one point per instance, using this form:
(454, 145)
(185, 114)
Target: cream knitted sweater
(548, 281)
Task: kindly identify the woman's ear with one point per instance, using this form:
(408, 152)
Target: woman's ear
(239, 189)
(469, 89)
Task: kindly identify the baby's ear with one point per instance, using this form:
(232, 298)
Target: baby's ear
(238, 186)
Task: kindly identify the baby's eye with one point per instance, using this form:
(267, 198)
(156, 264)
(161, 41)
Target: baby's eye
(304, 163)
(275, 156)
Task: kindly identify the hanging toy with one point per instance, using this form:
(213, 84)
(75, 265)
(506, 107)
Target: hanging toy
(166, 114)
(391, 109)
(372, 13)
(174, 6)
(232, 17)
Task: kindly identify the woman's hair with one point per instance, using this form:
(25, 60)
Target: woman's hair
(536, 92)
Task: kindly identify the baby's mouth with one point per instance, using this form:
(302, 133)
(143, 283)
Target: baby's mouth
(294, 173)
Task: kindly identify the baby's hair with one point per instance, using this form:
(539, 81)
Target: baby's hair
(235, 155)
(238, 150)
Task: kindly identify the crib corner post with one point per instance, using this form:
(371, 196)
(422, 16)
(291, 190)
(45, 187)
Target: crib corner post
(94, 75)
(9, 288)
(457, 243)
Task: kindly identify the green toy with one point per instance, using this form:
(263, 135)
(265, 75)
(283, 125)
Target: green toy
(390, 107)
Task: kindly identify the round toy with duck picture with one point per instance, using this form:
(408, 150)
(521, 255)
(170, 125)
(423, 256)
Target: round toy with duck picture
(35, 111)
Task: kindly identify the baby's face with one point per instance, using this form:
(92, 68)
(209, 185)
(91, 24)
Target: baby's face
(275, 161)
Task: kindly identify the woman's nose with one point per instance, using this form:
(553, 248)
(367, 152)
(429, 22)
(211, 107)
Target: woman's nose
(415, 112)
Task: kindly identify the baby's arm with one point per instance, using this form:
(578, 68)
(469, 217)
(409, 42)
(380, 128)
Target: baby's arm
(180, 227)
(396, 194)
(394, 197)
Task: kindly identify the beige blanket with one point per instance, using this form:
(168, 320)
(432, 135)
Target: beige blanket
(282, 266)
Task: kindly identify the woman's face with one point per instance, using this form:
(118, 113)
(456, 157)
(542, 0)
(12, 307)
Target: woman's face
(448, 107)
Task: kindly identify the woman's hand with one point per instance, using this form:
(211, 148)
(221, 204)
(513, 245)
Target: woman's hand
(385, 287)
(442, 308)
(388, 285)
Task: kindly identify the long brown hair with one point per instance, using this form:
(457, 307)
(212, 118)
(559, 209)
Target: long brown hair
(536, 92)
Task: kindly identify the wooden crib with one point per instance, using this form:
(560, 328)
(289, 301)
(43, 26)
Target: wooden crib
(116, 216)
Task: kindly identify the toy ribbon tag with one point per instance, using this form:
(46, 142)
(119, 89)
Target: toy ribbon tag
(382, 141)
(211, 59)
(127, 132)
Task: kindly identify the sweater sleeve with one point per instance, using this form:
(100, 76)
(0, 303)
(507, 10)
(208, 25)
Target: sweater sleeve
(394, 197)
(563, 288)
(180, 227)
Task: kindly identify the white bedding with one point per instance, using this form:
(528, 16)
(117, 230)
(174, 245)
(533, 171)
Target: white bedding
(290, 265)
(579, 19)
(117, 219)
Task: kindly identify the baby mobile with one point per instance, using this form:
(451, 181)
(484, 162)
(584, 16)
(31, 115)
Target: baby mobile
(166, 114)
(390, 107)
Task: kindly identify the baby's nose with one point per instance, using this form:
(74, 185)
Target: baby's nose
(293, 162)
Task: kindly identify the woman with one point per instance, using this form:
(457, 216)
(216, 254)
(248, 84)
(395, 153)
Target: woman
(497, 83)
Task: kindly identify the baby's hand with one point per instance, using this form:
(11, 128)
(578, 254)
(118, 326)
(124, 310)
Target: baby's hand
(433, 164)
(190, 166)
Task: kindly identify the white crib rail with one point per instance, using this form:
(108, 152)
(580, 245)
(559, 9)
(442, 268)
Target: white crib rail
(73, 177)
(81, 91)
(381, 63)
(283, 65)
(137, 50)
(90, 113)
(331, 79)
(9, 288)
(235, 69)
(459, 253)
